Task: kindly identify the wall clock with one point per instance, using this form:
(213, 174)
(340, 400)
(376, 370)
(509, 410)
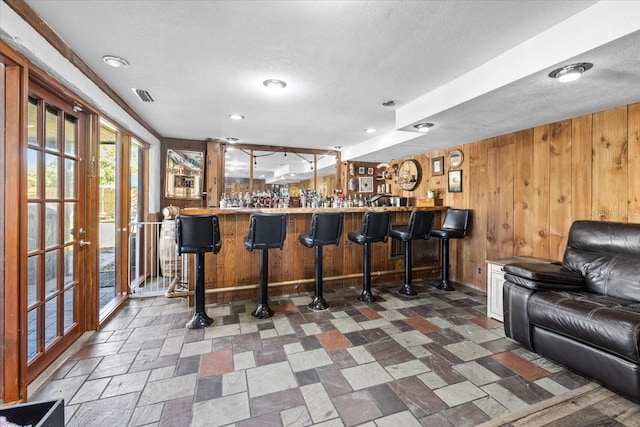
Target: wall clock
(456, 158)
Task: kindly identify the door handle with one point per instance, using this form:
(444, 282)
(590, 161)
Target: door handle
(82, 243)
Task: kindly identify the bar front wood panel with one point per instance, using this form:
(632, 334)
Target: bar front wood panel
(235, 266)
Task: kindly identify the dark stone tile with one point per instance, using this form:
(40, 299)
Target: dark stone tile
(333, 381)
(247, 342)
(420, 400)
(231, 319)
(209, 388)
(275, 402)
(402, 325)
(101, 412)
(310, 343)
(164, 319)
(436, 420)
(269, 355)
(442, 368)
(265, 326)
(219, 344)
(295, 319)
(386, 399)
(569, 380)
(238, 309)
(466, 415)
(389, 352)
(443, 353)
(267, 420)
(445, 337)
(356, 338)
(342, 359)
(356, 408)
(497, 368)
(149, 344)
(375, 335)
(177, 412)
(187, 365)
(500, 345)
(193, 335)
(310, 376)
(526, 390)
(154, 362)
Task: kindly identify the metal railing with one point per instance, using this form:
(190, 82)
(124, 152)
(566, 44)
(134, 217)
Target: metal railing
(155, 268)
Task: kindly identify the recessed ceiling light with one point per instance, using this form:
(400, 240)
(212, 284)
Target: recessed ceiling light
(571, 72)
(371, 130)
(274, 84)
(115, 61)
(390, 103)
(232, 140)
(236, 116)
(423, 127)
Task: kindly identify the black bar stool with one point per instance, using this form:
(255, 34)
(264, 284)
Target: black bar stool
(419, 227)
(375, 228)
(198, 234)
(326, 229)
(266, 231)
(454, 226)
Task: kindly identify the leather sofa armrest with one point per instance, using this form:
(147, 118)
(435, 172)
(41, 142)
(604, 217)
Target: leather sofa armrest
(542, 276)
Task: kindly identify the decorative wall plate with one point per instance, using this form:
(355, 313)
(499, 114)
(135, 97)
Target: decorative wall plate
(456, 158)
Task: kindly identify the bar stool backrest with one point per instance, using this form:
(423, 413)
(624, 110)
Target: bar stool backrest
(420, 224)
(457, 220)
(326, 228)
(196, 234)
(376, 225)
(266, 231)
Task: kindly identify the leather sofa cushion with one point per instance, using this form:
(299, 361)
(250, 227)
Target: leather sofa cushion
(610, 324)
(606, 254)
(545, 272)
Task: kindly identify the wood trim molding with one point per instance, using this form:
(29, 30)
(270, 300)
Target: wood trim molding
(38, 24)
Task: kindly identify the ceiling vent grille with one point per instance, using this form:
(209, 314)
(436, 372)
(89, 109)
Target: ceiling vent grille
(144, 95)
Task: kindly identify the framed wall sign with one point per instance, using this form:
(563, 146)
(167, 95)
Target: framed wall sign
(361, 170)
(437, 166)
(456, 158)
(369, 171)
(366, 184)
(455, 181)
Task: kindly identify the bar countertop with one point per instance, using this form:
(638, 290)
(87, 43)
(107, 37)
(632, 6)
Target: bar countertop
(294, 211)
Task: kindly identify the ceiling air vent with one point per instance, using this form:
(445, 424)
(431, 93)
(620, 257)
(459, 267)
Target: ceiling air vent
(144, 95)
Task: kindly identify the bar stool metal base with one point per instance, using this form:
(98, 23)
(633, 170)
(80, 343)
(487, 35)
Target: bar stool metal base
(367, 296)
(199, 321)
(445, 286)
(263, 311)
(407, 290)
(318, 304)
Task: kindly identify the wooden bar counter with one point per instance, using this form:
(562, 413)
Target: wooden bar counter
(232, 274)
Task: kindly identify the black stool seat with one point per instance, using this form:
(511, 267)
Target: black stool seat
(326, 229)
(375, 228)
(418, 228)
(266, 231)
(454, 226)
(198, 234)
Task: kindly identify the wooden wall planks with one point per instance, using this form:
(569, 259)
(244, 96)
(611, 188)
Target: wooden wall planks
(527, 187)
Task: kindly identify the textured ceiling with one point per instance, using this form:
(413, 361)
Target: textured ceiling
(203, 60)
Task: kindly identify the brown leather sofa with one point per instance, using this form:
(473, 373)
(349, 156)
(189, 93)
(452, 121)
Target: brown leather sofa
(583, 313)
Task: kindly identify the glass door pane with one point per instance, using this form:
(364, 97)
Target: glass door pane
(108, 166)
(136, 203)
(53, 253)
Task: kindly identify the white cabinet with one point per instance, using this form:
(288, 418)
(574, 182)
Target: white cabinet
(495, 281)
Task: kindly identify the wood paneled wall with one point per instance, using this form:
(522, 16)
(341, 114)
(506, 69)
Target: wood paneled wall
(527, 187)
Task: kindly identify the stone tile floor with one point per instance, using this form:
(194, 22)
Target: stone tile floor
(433, 360)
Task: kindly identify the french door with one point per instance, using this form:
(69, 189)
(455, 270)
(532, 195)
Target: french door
(55, 229)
